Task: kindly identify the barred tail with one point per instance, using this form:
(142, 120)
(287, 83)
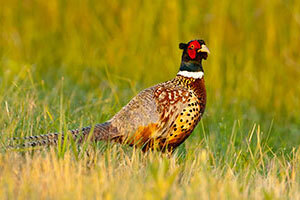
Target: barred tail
(102, 131)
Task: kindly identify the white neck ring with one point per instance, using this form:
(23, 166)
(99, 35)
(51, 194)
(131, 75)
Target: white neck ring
(195, 75)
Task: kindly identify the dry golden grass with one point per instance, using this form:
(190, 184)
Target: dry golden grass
(115, 174)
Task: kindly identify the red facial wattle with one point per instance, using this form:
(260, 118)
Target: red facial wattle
(192, 48)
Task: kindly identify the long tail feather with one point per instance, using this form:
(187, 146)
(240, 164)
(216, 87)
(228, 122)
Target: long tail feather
(100, 132)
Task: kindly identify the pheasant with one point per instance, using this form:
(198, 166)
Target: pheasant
(160, 117)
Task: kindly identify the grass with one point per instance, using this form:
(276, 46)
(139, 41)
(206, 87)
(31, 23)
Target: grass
(64, 65)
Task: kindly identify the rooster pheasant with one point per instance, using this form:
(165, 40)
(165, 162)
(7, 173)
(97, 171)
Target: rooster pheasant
(160, 117)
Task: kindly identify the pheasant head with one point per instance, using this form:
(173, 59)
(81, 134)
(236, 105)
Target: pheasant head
(193, 53)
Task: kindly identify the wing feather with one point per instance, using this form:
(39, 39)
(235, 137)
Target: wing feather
(154, 109)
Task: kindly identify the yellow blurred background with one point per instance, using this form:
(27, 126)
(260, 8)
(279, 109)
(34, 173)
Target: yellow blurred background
(254, 62)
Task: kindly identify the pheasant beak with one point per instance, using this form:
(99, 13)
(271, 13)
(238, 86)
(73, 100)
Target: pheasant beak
(204, 49)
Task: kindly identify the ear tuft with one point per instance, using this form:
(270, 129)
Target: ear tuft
(182, 46)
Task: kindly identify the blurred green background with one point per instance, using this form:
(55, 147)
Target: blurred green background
(108, 50)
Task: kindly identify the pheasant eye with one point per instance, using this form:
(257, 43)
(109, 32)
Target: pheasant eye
(192, 46)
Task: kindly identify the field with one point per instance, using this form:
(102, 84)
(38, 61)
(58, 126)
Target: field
(67, 64)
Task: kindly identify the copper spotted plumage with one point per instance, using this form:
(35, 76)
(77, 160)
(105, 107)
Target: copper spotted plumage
(160, 117)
